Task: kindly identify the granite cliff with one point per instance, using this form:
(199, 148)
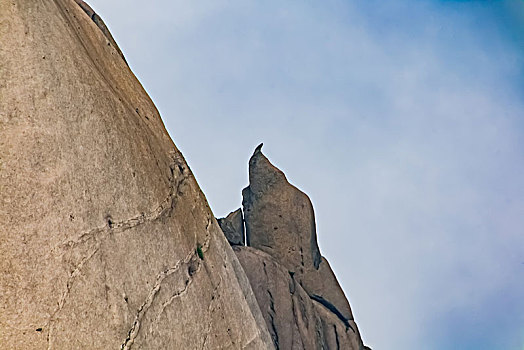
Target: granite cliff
(107, 241)
(298, 293)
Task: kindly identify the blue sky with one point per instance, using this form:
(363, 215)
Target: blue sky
(402, 120)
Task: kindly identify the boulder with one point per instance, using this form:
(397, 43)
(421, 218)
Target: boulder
(233, 227)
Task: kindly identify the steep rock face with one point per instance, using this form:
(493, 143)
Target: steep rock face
(100, 24)
(106, 239)
(287, 308)
(279, 220)
(298, 293)
(279, 217)
(295, 320)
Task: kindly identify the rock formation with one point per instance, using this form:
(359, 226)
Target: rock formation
(106, 241)
(298, 294)
(233, 227)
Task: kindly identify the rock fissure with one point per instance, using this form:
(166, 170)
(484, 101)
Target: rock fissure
(135, 328)
(175, 295)
(165, 208)
(272, 313)
(210, 309)
(331, 308)
(187, 283)
(89, 52)
(61, 302)
(336, 337)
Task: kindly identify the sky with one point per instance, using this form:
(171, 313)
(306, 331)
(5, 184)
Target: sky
(402, 120)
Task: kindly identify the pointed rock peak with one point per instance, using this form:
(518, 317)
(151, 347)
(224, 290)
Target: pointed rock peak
(279, 217)
(263, 174)
(258, 149)
(284, 265)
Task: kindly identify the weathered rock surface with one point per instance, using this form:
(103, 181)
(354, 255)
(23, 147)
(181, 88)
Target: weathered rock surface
(295, 320)
(286, 307)
(323, 286)
(100, 216)
(106, 239)
(279, 217)
(279, 220)
(233, 227)
(313, 312)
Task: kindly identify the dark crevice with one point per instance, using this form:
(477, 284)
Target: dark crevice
(336, 337)
(273, 330)
(192, 268)
(140, 115)
(332, 308)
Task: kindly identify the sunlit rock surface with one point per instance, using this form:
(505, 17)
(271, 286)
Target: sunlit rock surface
(298, 293)
(106, 240)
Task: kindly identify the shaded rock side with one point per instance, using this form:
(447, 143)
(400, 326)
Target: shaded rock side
(106, 240)
(295, 320)
(280, 221)
(233, 227)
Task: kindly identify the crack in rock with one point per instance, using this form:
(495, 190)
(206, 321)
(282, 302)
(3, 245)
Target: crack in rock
(336, 337)
(250, 341)
(135, 328)
(333, 309)
(188, 282)
(272, 313)
(100, 24)
(133, 332)
(165, 208)
(209, 312)
(63, 298)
